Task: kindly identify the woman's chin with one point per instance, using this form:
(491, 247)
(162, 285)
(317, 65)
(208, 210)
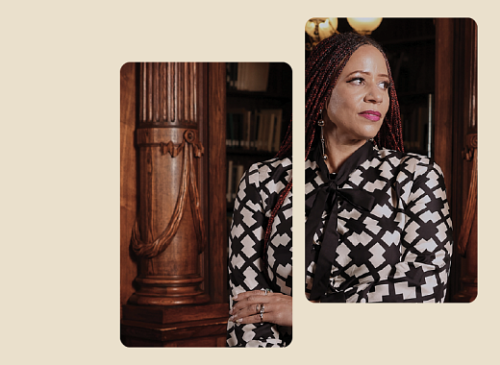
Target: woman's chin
(370, 133)
(366, 136)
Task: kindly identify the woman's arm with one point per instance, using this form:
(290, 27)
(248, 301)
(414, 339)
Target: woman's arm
(245, 261)
(426, 246)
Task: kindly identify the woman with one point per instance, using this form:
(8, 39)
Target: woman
(378, 226)
(260, 254)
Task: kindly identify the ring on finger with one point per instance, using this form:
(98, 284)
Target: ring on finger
(262, 313)
(257, 308)
(266, 291)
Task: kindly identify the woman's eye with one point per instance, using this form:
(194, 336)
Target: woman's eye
(356, 81)
(385, 85)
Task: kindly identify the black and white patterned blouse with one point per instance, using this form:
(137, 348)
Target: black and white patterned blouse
(258, 192)
(379, 230)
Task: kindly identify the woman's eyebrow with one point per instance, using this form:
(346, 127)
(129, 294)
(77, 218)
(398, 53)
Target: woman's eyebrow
(366, 73)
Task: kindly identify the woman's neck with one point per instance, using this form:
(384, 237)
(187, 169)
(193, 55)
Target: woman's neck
(338, 151)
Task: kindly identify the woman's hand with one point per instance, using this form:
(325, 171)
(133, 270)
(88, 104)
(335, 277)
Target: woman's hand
(248, 305)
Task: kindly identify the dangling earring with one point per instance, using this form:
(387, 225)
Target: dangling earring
(321, 124)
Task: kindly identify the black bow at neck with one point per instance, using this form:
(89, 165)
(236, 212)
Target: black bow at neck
(327, 197)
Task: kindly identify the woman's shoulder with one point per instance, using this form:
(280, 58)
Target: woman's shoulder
(273, 163)
(271, 166)
(276, 168)
(410, 162)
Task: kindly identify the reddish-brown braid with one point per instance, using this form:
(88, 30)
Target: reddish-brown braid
(323, 68)
(284, 151)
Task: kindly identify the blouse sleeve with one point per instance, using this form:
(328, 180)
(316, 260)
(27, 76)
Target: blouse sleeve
(245, 261)
(426, 244)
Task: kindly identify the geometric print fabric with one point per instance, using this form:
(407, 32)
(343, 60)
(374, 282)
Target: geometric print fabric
(400, 250)
(258, 193)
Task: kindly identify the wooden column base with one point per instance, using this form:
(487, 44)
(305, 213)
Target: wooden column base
(181, 326)
(157, 300)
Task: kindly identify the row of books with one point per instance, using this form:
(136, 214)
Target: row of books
(235, 172)
(415, 128)
(247, 76)
(259, 130)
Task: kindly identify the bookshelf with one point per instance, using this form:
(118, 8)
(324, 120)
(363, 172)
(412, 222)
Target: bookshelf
(410, 48)
(258, 112)
(412, 64)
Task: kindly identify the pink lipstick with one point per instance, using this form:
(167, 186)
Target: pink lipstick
(371, 115)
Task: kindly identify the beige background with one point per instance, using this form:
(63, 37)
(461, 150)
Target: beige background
(59, 108)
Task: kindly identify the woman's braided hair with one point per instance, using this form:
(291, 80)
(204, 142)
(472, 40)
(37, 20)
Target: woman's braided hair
(323, 68)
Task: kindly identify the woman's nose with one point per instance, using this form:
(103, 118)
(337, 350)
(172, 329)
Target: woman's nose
(374, 95)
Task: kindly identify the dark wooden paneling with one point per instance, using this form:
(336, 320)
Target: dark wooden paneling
(128, 178)
(217, 182)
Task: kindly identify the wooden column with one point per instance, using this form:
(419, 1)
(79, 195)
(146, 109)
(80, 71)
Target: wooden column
(456, 144)
(177, 241)
(465, 158)
(467, 239)
(443, 114)
(169, 235)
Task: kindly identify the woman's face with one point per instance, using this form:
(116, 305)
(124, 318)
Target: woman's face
(360, 98)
